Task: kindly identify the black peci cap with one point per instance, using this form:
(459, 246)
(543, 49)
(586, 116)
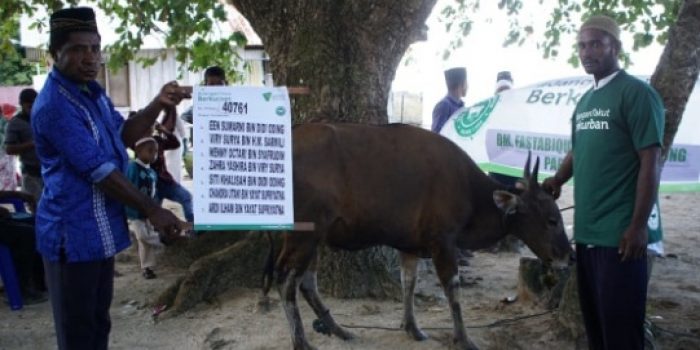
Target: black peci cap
(75, 19)
(455, 76)
(504, 75)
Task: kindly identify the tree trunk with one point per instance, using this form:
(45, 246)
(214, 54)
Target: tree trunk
(569, 312)
(345, 51)
(678, 68)
(373, 273)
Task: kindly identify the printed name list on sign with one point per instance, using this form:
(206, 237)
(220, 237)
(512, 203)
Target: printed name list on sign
(242, 158)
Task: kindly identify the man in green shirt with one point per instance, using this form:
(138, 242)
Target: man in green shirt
(617, 129)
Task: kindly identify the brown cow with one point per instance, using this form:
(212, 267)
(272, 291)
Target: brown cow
(409, 189)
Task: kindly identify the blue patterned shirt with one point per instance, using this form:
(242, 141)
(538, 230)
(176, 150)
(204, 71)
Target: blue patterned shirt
(77, 133)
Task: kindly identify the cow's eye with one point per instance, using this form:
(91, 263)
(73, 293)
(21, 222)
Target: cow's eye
(553, 222)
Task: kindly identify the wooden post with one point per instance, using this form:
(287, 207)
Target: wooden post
(298, 90)
(304, 226)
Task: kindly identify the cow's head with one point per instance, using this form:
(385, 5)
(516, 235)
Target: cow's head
(534, 217)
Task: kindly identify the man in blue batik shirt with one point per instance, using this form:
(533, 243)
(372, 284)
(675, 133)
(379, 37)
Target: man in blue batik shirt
(80, 221)
(456, 80)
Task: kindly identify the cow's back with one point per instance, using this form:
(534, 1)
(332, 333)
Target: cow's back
(377, 184)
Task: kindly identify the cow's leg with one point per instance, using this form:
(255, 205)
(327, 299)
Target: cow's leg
(409, 264)
(309, 289)
(288, 295)
(291, 266)
(445, 261)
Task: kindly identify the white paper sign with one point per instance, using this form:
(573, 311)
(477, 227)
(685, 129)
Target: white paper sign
(242, 158)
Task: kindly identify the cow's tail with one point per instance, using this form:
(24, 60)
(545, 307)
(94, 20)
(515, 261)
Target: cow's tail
(269, 266)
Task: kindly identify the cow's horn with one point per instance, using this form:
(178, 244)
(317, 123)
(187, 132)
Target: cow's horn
(527, 166)
(535, 171)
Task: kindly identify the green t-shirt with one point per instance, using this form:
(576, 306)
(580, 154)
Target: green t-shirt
(609, 126)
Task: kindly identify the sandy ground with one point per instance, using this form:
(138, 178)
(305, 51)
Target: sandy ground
(234, 321)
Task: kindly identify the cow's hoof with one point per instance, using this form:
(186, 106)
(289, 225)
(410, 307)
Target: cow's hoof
(415, 332)
(465, 344)
(304, 346)
(341, 333)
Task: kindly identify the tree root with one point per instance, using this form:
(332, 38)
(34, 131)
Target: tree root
(237, 260)
(236, 265)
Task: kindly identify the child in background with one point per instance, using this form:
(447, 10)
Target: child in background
(144, 178)
(168, 187)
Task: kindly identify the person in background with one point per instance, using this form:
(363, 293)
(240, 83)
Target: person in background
(617, 134)
(80, 139)
(8, 173)
(456, 80)
(173, 157)
(167, 187)
(213, 76)
(144, 179)
(19, 141)
(504, 81)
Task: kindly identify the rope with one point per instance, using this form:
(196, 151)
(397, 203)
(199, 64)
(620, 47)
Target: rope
(506, 321)
(675, 333)
(497, 323)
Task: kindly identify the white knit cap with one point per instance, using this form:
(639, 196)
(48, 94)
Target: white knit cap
(504, 83)
(603, 23)
(144, 140)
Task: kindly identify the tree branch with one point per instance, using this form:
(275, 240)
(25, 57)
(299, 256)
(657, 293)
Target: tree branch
(678, 68)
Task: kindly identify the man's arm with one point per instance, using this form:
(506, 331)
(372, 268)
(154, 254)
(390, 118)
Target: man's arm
(18, 148)
(117, 186)
(170, 141)
(552, 185)
(66, 134)
(134, 128)
(634, 240)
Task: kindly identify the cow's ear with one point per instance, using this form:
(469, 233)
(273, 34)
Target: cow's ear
(506, 201)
